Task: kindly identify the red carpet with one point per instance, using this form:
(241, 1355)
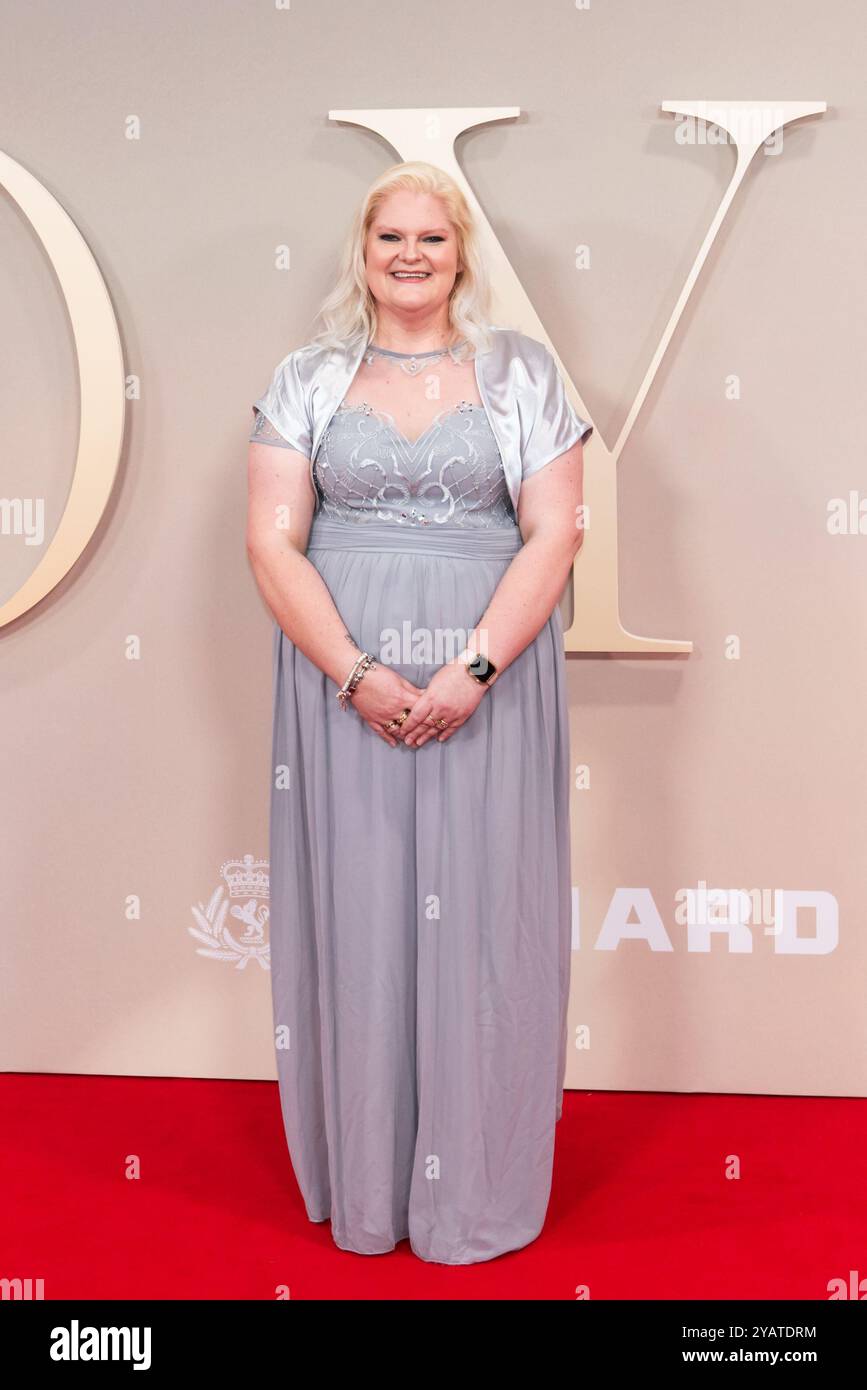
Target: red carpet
(641, 1205)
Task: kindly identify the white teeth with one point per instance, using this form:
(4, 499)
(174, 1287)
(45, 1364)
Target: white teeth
(410, 274)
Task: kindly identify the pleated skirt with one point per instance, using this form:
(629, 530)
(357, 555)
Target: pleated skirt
(420, 914)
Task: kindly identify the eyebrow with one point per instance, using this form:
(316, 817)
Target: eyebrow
(381, 227)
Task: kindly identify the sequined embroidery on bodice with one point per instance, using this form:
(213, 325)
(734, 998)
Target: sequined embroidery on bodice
(366, 469)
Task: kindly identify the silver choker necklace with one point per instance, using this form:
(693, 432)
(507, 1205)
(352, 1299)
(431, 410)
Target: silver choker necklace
(412, 362)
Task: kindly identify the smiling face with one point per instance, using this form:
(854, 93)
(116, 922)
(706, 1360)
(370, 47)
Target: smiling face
(412, 257)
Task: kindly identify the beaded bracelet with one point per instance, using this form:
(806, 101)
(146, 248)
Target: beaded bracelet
(364, 663)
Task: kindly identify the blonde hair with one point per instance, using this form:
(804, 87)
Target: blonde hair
(349, 311)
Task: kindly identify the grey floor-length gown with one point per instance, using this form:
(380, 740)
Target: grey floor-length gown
(420, 898)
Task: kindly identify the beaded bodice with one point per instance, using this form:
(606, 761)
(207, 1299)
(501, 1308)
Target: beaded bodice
(367, 470)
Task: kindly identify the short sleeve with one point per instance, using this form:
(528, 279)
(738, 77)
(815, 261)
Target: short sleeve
(263, 432)
(284, 406)
(556, 425)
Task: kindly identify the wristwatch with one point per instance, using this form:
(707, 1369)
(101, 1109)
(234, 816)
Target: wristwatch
(480, 668)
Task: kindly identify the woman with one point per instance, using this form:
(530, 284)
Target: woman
(414, 483)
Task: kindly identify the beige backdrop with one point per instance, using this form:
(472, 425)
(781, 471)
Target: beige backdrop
(134, 788)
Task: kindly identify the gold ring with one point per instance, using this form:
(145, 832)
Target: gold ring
(396, 723)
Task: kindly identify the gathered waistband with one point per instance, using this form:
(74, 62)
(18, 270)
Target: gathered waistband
(496, 543)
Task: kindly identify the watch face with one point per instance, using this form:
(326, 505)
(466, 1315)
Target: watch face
(481, 667)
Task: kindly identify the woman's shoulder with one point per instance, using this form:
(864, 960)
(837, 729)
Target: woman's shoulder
(295, 375)
(512, 342)
(510, 345)
(307, 357)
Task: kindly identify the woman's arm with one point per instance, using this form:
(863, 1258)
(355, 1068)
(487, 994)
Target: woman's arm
(280, 506)
(280, 510)
(549, 515)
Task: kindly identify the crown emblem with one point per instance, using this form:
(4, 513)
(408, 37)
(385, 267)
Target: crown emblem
(247, 877)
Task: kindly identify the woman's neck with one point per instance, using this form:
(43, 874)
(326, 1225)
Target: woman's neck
(400, 337)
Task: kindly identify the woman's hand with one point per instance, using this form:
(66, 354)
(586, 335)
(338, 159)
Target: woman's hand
(381, 695)
(451, 694)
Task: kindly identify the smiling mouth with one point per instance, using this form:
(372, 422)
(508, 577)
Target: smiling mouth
(410, 274)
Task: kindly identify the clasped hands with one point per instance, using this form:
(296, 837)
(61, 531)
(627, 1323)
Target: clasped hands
(451, 694)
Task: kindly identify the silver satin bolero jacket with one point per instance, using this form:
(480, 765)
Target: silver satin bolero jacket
(520, 387)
